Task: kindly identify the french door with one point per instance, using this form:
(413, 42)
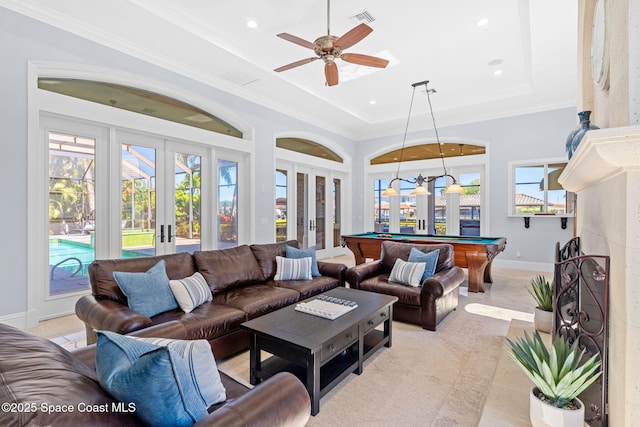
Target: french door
(314, 198)
(161, 195)
(311, 212)
(113, 193)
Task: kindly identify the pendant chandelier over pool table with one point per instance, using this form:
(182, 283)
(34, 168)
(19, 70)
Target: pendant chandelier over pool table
(420, 180)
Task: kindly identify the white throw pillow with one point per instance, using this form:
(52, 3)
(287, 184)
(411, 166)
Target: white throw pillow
(407, 273)
(190, 292)
(293, 268)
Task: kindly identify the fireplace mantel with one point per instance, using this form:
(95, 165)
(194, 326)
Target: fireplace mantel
(602, 154)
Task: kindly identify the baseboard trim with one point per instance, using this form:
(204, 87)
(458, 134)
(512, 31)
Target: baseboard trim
(17, 320)
(523, 265)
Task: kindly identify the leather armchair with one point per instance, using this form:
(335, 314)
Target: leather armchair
(426, 305)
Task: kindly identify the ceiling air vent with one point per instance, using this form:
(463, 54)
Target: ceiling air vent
(364, 16)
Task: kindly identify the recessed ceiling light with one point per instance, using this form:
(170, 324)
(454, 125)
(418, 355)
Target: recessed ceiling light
(372, 102)
(497, 72)
(482, 22)
(252, 24)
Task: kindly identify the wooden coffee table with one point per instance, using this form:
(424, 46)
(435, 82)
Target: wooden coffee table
(319, 351)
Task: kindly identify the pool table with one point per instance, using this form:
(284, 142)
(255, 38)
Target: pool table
(473, 253)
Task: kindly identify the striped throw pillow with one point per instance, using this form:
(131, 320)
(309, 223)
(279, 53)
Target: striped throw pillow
(190, 292)
(293, 268)
(407, 273)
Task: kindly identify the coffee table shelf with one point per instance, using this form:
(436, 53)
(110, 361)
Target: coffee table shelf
(331, 373)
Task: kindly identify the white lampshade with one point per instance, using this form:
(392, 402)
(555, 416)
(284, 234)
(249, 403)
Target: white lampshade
(420, 190)
(454, 188)
(390, 191)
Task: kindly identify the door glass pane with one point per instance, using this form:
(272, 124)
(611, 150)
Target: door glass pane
(319, 223)
(71, 212)
(407, 207)
(470, 204)
(138, 219)
(337, 214)
(227, 204)
(380, 206)
(187, 199)
(281, 205)
(302, 211)
(437, 188)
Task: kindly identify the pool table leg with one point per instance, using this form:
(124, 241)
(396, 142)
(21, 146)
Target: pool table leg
(487, 273)
(476, 265)
(357, 252)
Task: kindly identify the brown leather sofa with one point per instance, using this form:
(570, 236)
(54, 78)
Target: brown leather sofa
(241, 280)
(426, 305)
(45, 385)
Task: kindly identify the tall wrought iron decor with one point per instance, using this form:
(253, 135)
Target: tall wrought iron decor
(581, 290)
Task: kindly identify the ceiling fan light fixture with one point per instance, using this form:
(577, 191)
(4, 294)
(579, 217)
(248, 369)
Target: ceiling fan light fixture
(330, 47)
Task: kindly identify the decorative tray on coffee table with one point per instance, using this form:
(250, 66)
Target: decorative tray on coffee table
(327, 307)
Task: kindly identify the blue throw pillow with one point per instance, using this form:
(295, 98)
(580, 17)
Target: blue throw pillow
(430, 259)
(153, 378)
(147, 293)
(201, 365)
(292, 252)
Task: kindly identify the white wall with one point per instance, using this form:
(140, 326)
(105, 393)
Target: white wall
(23, 40)
(532, 136)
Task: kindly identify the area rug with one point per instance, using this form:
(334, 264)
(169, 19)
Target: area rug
(426, 378)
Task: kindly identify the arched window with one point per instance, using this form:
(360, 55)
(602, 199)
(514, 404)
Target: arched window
(139, 101)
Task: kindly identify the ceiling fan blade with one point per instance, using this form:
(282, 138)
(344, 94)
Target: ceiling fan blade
(353, 36)
(297, 40)
(295, 64)
(369, 61)
(331, 74)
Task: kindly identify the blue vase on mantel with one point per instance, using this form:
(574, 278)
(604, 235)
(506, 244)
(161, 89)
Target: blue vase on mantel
(576, 135)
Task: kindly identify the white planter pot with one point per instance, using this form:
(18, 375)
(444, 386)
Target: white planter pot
(543, 320)
(542, 414)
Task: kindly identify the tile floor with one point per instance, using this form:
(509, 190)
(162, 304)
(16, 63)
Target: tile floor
(68, 332)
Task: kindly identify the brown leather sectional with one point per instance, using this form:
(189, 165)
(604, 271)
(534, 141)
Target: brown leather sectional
(240, 279)
(426, 305)
(45, 385)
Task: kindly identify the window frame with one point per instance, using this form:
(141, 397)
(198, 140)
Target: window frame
(512, 165)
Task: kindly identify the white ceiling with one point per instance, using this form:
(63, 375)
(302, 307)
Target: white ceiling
(432, 40)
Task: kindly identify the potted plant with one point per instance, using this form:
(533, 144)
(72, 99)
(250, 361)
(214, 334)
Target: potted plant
(542, 292)
(558, 377)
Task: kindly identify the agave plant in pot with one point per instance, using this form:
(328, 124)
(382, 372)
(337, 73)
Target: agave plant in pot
(559, 377)
(542, 292)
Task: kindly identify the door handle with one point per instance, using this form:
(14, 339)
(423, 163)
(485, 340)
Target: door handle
(169, 233)
(162, 234)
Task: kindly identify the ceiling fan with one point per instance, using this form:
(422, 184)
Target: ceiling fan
(329, 48)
